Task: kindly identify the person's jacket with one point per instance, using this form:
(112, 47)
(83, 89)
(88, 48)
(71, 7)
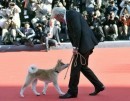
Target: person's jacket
(81, 36)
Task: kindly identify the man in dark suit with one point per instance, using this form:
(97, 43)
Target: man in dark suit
(83, 42)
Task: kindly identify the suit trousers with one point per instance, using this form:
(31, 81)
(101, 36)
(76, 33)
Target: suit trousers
(87, 72)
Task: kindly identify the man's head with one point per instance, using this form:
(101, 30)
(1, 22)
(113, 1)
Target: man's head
(112, 3)
(26, 25)
(58, 13)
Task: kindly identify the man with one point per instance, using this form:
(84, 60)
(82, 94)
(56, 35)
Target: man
(83, 41)
(27, 34)
(9, 31)
(41, 10)
(14, 10)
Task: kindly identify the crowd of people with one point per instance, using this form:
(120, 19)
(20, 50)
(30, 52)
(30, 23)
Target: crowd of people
(28, 21)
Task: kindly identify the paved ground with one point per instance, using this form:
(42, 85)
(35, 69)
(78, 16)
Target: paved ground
(65, 45)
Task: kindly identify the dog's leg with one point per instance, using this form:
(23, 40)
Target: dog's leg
(27, 82)
(58, 88)
(45, 88)
(34, 83)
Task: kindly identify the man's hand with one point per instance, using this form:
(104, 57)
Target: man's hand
(75, 51)
(24, 36)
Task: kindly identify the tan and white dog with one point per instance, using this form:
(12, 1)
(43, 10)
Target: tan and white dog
(48, 76)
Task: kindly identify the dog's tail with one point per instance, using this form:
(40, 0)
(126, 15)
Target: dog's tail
(32, 69)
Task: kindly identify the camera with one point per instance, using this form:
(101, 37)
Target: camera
(11, 18)
(94, 14)
(11, 4)
(39, 25)
(126, 2)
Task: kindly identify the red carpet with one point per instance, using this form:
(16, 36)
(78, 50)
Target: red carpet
(111, 65)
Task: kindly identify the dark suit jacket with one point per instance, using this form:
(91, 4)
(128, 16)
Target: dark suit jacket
(80, 34)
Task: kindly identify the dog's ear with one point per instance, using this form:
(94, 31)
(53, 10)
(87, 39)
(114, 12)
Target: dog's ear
(59, 60)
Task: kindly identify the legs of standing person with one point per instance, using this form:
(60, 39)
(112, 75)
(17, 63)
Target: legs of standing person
(89, 74)
(74, 76)
(81, 64)
(74, 79)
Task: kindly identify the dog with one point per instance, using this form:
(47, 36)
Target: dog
(48, 76)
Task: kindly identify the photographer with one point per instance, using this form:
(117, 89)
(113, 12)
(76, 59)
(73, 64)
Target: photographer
(57, 3)
(42, 31)
(123, 26)
(90, 6)
(112, 7)
(43, 34)
(9, 31)
(14, 11)
(96, 26)
(40, 34)
(41, 10)
(125, 4)
(110, 27)
(125, 8)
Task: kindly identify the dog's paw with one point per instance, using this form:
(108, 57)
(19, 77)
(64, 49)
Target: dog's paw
(62, 93)
(38, 94)
(44, 93)
(21, 95)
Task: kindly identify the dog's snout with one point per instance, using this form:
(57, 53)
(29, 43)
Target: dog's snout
(67, 65)
(62, 63)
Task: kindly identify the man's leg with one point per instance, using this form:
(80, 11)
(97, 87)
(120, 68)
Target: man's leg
(74, 79)
(89, 74)
(74, 76)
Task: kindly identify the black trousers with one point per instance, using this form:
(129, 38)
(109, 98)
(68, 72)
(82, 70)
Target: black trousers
(87, 72)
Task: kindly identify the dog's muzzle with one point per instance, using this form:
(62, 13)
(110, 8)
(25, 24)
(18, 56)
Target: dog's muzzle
(56, 71)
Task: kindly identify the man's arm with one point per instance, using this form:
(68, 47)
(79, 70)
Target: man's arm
(32, 33)
(75, 29)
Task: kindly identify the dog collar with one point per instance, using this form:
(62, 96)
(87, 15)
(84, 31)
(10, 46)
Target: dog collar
(56, 71)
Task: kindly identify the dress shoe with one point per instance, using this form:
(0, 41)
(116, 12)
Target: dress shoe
(68, 95)
(97, 91)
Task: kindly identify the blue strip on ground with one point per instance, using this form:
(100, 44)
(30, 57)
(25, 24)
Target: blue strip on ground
(67, 45)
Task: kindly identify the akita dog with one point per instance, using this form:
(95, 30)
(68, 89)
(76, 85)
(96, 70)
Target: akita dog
(49, 75)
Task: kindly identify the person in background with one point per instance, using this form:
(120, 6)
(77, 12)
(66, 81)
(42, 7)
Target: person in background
(9, 31)
(26, 34)
(14, 10)
(111, 8)
(110, 27)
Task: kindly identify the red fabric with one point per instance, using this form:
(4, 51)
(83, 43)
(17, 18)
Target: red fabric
(111, 65)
